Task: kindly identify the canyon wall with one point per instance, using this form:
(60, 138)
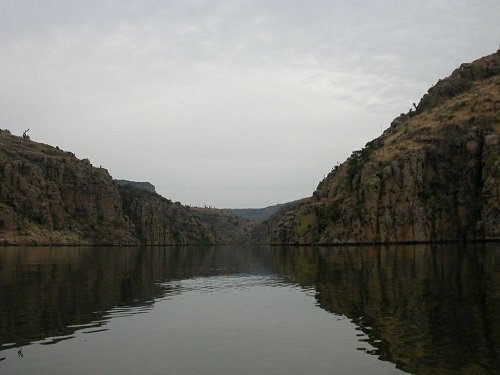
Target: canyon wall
(433, 175)
(48, 196)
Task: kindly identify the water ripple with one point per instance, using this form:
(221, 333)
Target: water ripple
(223, 283)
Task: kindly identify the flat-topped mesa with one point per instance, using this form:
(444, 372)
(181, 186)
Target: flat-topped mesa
(138, 184)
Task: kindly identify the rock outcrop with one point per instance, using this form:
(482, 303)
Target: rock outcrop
(159, 221)
(226, 227)
(48, 196)
(434, 175)
(148, 186)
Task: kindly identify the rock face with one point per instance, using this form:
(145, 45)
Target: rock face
(434, 175)
(226, 227)
(159, 221)
(48, 196)
(138, 184)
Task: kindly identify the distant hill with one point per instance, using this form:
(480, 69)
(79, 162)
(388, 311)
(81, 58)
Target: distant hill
(256, 214)
(433, 175)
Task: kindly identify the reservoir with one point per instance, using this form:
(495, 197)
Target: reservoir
(417, 309)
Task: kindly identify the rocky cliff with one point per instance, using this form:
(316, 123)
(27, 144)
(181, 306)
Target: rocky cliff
(48, 196)
(226, 227)
(434, 175)
(148, 186)
(159, 221)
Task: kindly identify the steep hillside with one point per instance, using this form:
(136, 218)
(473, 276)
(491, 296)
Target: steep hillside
(434, 175)
(159, 221)
(226, 227)
(48, 196)
(261, 234)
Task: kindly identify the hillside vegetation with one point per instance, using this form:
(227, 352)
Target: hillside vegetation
(48, 196)
(433, 175)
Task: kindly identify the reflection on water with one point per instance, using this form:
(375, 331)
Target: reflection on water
(54, 291)
(426, 310)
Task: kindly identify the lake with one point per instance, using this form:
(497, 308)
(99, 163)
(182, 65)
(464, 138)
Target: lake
(250, 310)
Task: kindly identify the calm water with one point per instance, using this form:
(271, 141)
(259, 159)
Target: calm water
(224, 310)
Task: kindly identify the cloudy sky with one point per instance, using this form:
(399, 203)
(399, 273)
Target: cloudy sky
(227, 103)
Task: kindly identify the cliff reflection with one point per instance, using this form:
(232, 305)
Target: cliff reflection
(51, 292)
(428, 310)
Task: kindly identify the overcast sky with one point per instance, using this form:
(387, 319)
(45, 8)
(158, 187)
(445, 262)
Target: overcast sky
(227, 103)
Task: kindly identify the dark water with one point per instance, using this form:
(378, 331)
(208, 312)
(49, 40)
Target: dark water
(359, 310)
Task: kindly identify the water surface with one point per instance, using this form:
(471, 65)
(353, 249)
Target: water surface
(250, 310)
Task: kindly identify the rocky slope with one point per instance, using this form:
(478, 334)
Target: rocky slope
(226, 227)
(48, 196)
(159, 221)
(434, 175)
(148, 186)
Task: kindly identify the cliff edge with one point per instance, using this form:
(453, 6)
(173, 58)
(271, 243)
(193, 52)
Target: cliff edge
(50, 197)
(433, 175)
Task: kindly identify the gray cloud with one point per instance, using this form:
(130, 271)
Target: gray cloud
(227, 103)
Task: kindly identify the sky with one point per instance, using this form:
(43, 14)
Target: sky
(227, 103)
